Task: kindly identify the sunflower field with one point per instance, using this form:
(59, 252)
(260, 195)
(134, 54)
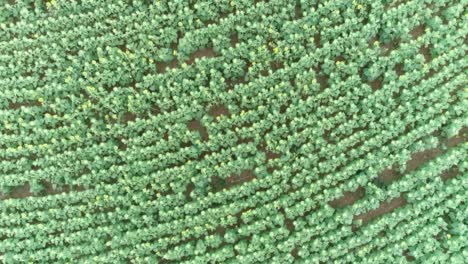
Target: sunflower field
(233, 131)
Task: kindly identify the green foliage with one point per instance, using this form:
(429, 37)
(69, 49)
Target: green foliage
(233, 131)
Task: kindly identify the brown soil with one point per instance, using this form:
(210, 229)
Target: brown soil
(244, 140)
(323, 81)
(234, 39)
(208, 53)
(289, 224)
(389, 175)
(295, 253)
(17, 193)
(218, 110)
(426, 52)
(162, 67)
(128, 117)
(275, 65)
(220, 230)
(458, 139)
(219, 184)
(376, 84)
(388, 47)
(340, 58)
(417, 159)
(188, 191)
(449, 174)
(22, 192)
(348, 198)
(298, 10)
(399, 69)
(417, 31)
(408, 257)
(121, 145)
(196, 125)
(317, 40)
(15, 106)
(245, 176)
(49, 189)
(372, 40)
(384, 208)
(271, 155)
